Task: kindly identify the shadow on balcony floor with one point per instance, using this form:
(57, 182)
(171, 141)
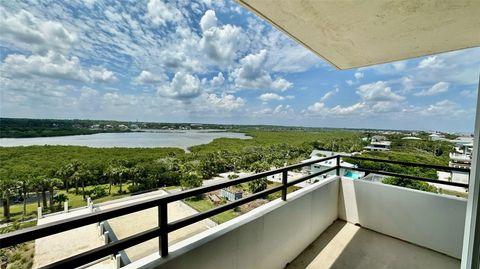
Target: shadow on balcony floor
(344, 245)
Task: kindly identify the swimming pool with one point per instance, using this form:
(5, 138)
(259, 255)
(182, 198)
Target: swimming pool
(352, 174)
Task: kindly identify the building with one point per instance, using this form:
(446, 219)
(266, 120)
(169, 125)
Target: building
(378, 143)
(436, 137)
(231, 194)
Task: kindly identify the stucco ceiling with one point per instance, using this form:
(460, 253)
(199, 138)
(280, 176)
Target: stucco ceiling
(351, 33)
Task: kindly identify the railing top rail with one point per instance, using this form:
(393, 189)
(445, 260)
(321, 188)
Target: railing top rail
(438, 167)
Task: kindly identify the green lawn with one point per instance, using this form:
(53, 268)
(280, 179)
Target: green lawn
(204, 204)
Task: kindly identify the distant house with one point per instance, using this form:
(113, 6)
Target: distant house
(231, 194)
(108, 127)
(378, 143)
(95, 127)
(122, 127)
(436, 137)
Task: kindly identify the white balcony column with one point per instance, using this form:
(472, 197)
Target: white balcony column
(471, 239)
(105, 236)
(65, 206)
(118, 261)
(39, 212)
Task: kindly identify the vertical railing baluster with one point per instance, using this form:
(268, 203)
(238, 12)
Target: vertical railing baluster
(338, 165)
(284, 183)
(163, 222)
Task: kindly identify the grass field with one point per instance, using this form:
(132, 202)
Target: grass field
(204, 204)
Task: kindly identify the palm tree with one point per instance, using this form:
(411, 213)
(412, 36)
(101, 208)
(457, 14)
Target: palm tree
(116, 175)
(7, 188)
(82, 175)
(66, 173)
(52, 184)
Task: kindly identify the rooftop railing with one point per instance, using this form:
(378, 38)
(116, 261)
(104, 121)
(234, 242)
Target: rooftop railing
(165, 227)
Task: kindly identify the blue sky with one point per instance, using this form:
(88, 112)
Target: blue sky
(211, 62)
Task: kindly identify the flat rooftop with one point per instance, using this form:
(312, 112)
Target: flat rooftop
(344, 245)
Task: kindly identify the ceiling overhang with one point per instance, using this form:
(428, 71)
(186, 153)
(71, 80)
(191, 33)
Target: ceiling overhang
(351, 34)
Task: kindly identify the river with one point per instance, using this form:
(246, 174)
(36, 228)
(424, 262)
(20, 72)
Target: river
(145, 139)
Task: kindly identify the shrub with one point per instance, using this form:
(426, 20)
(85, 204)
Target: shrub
(98, 192)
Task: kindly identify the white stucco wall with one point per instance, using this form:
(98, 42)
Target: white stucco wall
(269, 236)
(430, 220)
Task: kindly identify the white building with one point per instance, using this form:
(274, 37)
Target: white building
(379, 143)
(436, 137)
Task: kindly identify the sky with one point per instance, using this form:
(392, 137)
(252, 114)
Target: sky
(211, 62)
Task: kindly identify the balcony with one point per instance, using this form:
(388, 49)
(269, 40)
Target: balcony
(335, 223)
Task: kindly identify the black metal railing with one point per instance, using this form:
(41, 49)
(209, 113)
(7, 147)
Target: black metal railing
(164, 227)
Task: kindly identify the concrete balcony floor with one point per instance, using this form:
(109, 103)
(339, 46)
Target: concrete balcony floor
(344, 245)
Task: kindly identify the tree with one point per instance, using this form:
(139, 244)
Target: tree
(410, 183)
(82, 175)
(52, 184)
(25, 179)
(191, 180)
(66, 173)
(7, 189)
(117, 175)
(261, 184)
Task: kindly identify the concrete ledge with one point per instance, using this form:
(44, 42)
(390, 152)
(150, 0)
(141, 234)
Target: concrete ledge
(285, 228)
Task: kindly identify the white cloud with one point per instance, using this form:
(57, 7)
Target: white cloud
(280, 110)
(251, 74)
(339, 110)
(378, 91)
(30, 33)
(349, 82)
(182, 86)
(445, 107)
(400, 65)
(147, 77)
(375, 98)
(53, 65)
(358, 75)
(469, 93)
(160, 13)
(226, 102)
(221, 43)
(431, 62)
(208, 20)
(270, 97)
(101, 74)
(438, 88)
(407, 84)
(217, 81)
(329, 94)
(319, 109)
